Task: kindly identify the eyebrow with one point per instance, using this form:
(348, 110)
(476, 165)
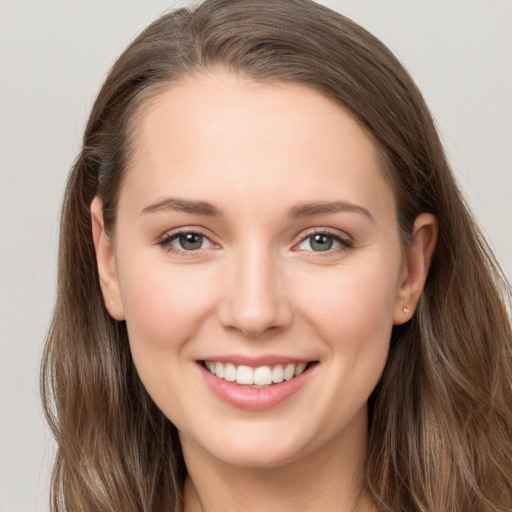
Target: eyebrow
(183, 205)
(326, 207)
(298, 211)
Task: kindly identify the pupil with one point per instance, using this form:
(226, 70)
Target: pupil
(191, 241)
(321, 242)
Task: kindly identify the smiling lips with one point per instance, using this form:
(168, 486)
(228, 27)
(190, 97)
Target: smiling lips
(256, 387)
(259, 376)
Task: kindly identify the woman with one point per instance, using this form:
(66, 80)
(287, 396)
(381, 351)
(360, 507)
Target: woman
(271, 293)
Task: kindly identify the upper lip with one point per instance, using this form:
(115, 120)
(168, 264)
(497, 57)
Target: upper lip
(255, 361)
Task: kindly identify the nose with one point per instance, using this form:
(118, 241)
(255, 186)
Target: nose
(254, 299)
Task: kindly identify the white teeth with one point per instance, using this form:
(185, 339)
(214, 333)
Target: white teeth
(244, 375)
(277, 373)
(219, 370)
(230, 372)
(260, 376)
(263, 376)
(300, 368)
(289, 371)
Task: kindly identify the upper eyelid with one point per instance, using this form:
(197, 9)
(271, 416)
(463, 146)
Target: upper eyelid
(171, 233)
(335, 233)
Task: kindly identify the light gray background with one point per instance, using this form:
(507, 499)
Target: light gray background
(53, 57)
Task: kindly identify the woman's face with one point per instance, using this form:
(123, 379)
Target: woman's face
(256, 236)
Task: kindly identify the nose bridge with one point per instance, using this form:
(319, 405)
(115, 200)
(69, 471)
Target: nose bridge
(254, 300)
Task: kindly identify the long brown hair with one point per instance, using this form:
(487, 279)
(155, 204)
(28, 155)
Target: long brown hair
(440, 434)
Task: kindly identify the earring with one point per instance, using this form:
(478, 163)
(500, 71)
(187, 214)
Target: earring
(405, 310)
(110, 303)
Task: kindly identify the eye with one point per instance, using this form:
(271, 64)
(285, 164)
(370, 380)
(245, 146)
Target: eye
(324, 242)
(185, 241)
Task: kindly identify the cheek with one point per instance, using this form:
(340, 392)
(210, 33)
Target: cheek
(163, 304)
(164, 308)
(352, 303)
(353, 315)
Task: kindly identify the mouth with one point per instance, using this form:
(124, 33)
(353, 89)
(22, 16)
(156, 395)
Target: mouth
(259, 377)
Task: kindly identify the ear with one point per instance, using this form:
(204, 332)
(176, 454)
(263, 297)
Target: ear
(416, 266)
(105, 257)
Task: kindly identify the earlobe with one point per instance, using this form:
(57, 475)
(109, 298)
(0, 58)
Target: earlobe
(105, 258)
(417, 264)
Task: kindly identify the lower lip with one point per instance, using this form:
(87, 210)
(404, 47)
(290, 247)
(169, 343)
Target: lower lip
(255, 399)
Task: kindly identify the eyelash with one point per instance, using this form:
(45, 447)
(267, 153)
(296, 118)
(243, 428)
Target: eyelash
(168, 238)
(345, 243)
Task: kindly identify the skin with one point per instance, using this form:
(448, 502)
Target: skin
(257, 285)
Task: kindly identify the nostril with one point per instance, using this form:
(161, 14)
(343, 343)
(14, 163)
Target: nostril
(253, 317)
(254, 302)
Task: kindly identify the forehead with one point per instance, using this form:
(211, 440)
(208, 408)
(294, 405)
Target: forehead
(208, 134)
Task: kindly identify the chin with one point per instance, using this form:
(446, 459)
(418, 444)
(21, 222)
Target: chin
(248, 446)
(257, 457)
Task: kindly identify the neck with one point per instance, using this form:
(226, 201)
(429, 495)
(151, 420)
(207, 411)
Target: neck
(329, 478)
